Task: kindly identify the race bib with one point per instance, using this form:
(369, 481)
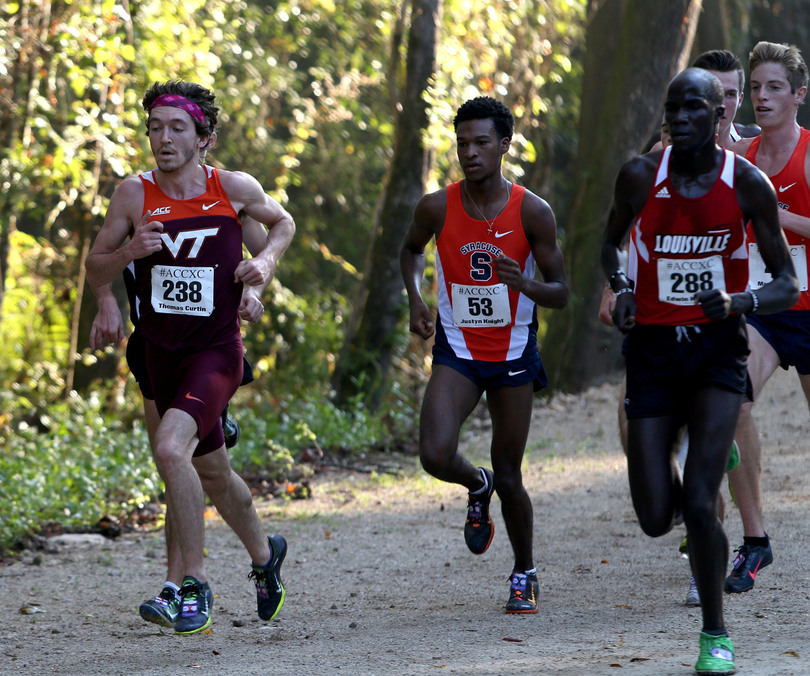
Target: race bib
(180, 290)
(758, 275)
(475, 305)
(680, 279)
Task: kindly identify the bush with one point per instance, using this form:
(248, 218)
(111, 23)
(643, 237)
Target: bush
(67, 464)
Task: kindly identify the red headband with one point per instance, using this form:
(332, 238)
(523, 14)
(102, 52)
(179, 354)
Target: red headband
(177, 101)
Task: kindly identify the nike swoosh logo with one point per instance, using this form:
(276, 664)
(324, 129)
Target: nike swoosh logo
(782, 188)
(206, 207)
(190, 396)
(753, 573)
(516, 373)
(498, 235)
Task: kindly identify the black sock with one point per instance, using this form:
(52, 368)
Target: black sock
(485, 487)
(716, 632)
(756, 542)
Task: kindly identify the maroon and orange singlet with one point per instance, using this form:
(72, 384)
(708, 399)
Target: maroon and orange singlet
(186, 291)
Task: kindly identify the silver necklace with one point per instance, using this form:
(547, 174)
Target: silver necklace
(489, 223)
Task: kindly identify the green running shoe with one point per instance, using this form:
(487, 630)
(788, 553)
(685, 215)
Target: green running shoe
(734, 458)
(716, 656)
(195, 611)
(163, 609)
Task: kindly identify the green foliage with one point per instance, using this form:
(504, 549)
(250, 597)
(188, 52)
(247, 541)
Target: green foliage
(308, 93)
(35, 330)
(68, 464)
(274, 435)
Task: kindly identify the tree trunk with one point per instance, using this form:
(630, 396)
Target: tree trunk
(634, 48)
(787, 21)
(370, 341)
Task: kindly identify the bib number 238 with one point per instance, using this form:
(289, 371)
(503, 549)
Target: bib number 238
(183, 290)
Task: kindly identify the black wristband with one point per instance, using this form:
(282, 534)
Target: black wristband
(615, 277)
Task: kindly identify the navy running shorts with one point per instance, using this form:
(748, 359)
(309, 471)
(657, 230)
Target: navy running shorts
(490, 375)
(666, 365)
(788, 333)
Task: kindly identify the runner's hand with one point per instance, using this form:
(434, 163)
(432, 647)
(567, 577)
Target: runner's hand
(251, 307)
(421, 322)
(716, 303)
(108, 326)
(255, 272)
(509, 273)
(146, 239)
(607, 306)
(624, 312)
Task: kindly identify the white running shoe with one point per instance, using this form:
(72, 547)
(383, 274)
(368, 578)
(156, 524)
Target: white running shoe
(692, 596)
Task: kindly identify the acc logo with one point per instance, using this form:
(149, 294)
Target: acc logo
(161, 210)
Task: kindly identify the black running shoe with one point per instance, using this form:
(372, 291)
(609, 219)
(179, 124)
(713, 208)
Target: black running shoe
(523, 593)
(269, 590)
(163, 609)
(230, 429)
(195, 609)
(749, 561)
(478, 528)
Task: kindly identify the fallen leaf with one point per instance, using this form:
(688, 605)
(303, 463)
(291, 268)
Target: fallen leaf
(792, 653)
(513, 640)
(616, 665)
(623, 606)
(640, 659)
(31, 610)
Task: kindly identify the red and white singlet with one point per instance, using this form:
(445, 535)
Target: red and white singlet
(680, 246)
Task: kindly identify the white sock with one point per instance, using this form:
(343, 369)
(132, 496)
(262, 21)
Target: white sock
(172, 586)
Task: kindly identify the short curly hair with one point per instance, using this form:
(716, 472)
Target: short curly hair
(203, 97)
(486, 108)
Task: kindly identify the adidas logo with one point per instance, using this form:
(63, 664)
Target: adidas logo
(663, 193)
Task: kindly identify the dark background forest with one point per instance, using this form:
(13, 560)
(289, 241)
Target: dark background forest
(343, 111)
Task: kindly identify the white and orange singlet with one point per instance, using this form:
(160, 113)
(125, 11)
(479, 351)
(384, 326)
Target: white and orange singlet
(480, 318)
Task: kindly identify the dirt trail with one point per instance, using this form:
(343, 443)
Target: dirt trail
(379, 580)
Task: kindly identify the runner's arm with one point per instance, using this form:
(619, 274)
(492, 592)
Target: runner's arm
(108, 324)
(540, 228)
(758, 201)
(112, 251)
(629, 195)
(429, 212)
